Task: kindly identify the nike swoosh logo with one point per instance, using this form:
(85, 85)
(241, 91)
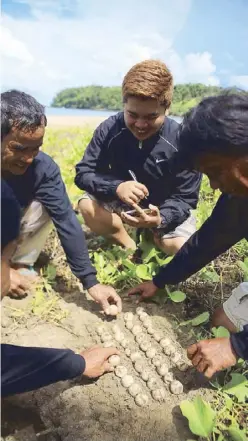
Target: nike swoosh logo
(160, 160)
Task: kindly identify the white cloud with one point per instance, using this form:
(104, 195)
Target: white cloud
(239, 81)
(95, 44)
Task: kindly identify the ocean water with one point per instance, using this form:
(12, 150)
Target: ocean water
(62, 111)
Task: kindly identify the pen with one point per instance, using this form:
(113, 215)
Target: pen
(134, 177)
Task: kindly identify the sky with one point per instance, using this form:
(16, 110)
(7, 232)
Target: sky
(49, 45)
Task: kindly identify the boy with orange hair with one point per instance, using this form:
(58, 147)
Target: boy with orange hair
(126, 166)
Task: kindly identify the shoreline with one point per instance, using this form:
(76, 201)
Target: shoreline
(60, 121)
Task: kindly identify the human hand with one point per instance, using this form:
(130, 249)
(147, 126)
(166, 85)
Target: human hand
(131, 192)
(96, 361)
(210, 356)
(105, 295)
(19, 284)
(146, 290)
(143, 219)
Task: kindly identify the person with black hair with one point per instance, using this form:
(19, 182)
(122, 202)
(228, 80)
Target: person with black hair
(36, 181)
(28, 368)
(213, 139)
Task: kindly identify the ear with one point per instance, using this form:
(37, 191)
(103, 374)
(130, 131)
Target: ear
(240, 170)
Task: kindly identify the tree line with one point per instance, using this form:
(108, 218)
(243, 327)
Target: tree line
(109, 98)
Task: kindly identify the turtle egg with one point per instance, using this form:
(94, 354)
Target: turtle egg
(136, 330)
(151, 352)
(106, 337)
(112, 310)
(152, 383)
(134, 389)
(114, 360)
(127, 381)
(141, 400)
(165, 342)
(135, 356)
(176, 387)
(128, 317)
(157, 336)
(145, 345)
(159, 394)
(163, 369)
(120, 371)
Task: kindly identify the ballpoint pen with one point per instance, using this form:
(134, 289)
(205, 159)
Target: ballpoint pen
(134, 177)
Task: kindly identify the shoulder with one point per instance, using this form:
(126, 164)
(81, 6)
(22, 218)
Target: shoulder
(111, 127)
(44, 167)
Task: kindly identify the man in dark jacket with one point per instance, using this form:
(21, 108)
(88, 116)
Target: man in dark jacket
(27, 368)
(126, 163)
(40, 191)
(214, 140)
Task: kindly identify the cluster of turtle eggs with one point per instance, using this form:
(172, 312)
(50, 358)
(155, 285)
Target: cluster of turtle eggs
(157, 360)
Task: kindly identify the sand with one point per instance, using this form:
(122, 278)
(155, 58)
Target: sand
(55, 121)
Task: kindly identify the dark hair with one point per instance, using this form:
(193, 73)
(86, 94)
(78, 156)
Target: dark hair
(20, 110)
(10, 215)
(219, 125)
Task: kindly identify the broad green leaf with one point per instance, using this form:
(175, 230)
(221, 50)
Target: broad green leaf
(211, 276)
(163, 261)
(51, 272)
(128, 264)
(236, 434)
(238, 386)
(142, 271)
(200, 415)
(153, 266)
(201, 318)
(220, 332)
(177, 296)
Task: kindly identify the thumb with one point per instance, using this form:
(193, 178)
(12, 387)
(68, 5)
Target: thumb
(105, 305)
(153, 208)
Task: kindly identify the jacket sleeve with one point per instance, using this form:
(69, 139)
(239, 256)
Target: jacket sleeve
(28, 368)
(93, 173)
(221, 231)
(239, 343)
(184, 197)
(52, 194)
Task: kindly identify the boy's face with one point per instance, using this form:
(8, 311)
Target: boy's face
(143, 117)
(226, 173)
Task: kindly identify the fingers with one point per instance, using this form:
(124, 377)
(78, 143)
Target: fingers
(107, 367)
(191, 351)
(117, 300)
(105, 304)
(154, 209)
(136, 290)
(130, 219)
(210, 371)
(110, 351)
(142, 187)
(196, 359)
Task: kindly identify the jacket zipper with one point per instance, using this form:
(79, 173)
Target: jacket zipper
(140, 144)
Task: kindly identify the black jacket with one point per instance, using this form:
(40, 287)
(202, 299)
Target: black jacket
(227, 225)
(114, 150)
(42, 182)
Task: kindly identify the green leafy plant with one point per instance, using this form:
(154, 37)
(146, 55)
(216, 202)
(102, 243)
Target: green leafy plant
(244, 267)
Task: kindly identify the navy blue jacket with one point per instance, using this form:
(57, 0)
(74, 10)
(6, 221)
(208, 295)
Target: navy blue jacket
(227, 225)
(42, 182)
(114, 150)
(28, 368)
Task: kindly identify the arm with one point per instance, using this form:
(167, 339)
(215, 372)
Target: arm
(28, 368)
(52, 194)
(239, 342)
(222, 230)
(175, 210)
(92, 172)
